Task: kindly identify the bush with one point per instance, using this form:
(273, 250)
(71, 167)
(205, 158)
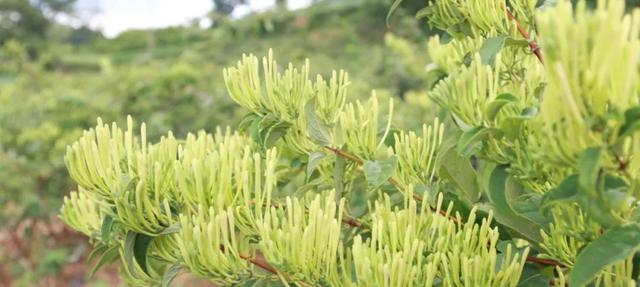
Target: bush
(527, 178)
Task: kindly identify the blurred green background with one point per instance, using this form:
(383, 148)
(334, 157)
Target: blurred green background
(57, 77)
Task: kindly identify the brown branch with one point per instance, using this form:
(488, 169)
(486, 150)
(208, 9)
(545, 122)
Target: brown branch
(351, 222)
(344, 154)
(261, 262)
(532, 44)
(544, 261)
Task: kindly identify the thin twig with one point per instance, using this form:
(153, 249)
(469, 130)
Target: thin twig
(351, 222)
(535, 48)
(261, 262)
(544, 261)
(344, 154)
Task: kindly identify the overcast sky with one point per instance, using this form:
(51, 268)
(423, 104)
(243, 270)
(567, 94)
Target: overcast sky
(115, 16)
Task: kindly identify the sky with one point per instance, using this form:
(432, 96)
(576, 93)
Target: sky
(116, 16)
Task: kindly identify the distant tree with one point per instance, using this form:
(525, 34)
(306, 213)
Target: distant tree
(281, 4)
(52, 8)
(22, 21)
(83, 35)
(226, 7)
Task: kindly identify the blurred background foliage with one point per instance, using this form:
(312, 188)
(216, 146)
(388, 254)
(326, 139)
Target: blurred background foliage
(56, 79)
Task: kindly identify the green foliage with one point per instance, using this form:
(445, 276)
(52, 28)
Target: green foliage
(171, 79)
(21, 21)
(232, 221)
(537, 129)
(615, 245)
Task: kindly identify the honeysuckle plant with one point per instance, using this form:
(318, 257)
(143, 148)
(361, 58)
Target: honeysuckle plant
(528, 179)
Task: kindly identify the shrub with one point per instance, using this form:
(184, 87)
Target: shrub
(317, 189)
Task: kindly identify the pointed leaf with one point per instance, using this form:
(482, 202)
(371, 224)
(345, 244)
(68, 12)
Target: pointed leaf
(318, 132)
(424, 12)
(174, 228)
(314, 161)
(272, 133)
(565, 192)
(105, 229)
(171, 274)
(500, 101)
(135, 250)
(461, 29)
(631, 122)
(505, 214)
(394, 7)
(490, 48)
(247, 121)
(588, 168)
(459, 171)
(472, 138)
(614, 245)
(97, 251)
(109, 256)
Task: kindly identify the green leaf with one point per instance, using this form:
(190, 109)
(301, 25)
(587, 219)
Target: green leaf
(254, 130)
(98, 250)
(462, 29)
(318, 132)
(500, 101)
(171, 274)
(109, 256)
(512, 127)
(394, 7)
(247, 121)
(459, 171)
(599, 191)
(105, 229)
(612, 191)
(505, 214)
(378, 172)
(174, 228)
(608, 196)
(490, 48)
(614, 245)
(615, 192)
(588, 169)
(135, 249)
(272, 133)
(314, 161)
(534, 280)
(424, 12)
(565, 192)
(472, 138)
(631, 122)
